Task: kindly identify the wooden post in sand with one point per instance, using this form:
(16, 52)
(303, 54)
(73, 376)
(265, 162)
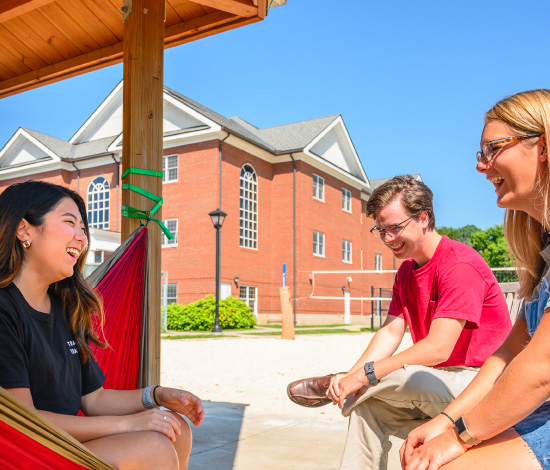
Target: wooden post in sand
(286, 309)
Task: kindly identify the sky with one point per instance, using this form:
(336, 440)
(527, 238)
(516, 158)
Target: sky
(411, 80)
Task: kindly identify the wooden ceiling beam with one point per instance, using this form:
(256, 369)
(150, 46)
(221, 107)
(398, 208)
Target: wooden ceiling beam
(68, 68)
(236, 7)
(13, 8)
(235, 22)
(197, 25)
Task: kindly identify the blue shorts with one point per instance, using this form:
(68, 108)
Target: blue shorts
(535, 431)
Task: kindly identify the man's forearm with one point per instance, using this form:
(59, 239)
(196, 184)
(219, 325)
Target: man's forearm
(383, 344)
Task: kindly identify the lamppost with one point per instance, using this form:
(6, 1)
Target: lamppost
(217, 216)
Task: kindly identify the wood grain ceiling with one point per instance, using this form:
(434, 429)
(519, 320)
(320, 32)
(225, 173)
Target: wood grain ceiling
(44, 41)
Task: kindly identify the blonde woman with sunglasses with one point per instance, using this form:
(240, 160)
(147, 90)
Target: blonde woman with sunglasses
(502, 419)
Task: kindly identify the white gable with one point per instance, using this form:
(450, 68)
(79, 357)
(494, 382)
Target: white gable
(106, 121)
(335, 146)
(23, 149)
(176, 119)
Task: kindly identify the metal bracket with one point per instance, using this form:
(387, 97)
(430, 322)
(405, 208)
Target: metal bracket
(126, 9)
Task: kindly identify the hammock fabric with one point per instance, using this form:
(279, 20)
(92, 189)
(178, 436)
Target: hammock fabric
(121, 284)
(27, 439)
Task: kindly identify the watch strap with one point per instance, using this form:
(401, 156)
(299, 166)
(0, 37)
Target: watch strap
(464, 433)
(369, 372)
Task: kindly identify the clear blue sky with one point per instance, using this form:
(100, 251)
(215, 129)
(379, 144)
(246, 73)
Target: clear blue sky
(411, 80)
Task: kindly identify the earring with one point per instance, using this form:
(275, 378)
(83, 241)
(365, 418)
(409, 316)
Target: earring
(26, 244)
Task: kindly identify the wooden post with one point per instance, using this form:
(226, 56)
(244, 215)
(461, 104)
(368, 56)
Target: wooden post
(142, 144)
(288, 317)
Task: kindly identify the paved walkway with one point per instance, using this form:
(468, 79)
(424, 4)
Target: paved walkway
(250, 423)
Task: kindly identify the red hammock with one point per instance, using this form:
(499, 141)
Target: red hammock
(122, 289)
(122, 281)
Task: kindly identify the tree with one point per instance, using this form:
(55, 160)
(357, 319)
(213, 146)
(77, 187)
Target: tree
(492, 245)
(489, 243)
(462, 235)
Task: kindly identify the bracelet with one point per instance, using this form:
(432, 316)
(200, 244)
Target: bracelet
(146, 398)
(155, 395)
(452, 420)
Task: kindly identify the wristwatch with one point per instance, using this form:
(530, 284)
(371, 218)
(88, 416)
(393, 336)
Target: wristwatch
(369, 371)
(464, 434)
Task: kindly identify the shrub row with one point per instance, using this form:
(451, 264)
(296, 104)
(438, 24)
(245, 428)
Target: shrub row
(199, 315)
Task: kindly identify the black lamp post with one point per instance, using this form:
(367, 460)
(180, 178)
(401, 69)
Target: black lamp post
(217, 216)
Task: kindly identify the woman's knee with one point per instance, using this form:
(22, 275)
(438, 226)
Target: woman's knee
(159, 452)
(145, 450)
(184, 442)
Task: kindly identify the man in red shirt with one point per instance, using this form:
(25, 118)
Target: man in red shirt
(457, 315)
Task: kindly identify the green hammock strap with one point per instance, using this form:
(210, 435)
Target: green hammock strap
(141, 171)
(134, 213)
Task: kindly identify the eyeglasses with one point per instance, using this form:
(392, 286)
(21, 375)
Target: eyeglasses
(489, 151)
(393, 230)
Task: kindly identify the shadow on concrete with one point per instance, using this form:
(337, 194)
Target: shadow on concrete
(216, 440)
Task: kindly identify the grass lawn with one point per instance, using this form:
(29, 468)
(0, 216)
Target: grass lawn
(309, 330)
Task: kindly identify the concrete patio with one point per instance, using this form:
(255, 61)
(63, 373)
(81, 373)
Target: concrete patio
(250, 423)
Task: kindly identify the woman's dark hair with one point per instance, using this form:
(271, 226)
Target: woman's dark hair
(31, 201)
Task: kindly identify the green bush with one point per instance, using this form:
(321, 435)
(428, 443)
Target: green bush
(199, 315)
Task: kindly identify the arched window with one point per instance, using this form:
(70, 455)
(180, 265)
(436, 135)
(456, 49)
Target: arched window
(98, 203)
(249, 208)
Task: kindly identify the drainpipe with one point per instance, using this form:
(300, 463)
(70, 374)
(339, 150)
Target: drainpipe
(220, 169)
(117, 179)
(294, 270)
(77, 178)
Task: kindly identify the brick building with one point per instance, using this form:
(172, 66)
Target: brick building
(294, 194)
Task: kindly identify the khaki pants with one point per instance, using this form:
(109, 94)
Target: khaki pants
(402, 401)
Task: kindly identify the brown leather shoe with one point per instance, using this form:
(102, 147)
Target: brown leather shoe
(310, 392)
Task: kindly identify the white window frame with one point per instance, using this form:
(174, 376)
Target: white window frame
(164, 239)
(101, 205)
(248, 204)
(377, 262)
(248, 299)
(101, 256)
(318, 187)
(318, 244)
(346, 251)
(346, 200)
(166, 171)
(175, 297)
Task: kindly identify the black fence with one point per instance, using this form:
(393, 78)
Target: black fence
(379, 308)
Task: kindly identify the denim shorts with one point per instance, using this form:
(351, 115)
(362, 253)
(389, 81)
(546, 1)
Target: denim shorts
(535, 431)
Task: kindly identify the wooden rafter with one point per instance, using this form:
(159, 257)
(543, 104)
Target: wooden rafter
(45, 41)
(12, 8)
(237, 7)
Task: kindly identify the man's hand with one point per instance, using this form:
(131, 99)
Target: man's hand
(351, 383)
(333, 391)
(423, 434)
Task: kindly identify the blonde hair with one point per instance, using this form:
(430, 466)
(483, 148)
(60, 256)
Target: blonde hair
(525, 113)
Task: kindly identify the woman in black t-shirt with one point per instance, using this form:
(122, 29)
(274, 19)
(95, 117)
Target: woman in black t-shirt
(46, 310)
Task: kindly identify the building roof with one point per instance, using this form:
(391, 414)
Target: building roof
(277, 139)
(65, 150)
(379, 182)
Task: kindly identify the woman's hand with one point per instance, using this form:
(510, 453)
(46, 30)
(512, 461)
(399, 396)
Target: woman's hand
(436, 452)
(181, 402)
(152, 420)
(422, 434)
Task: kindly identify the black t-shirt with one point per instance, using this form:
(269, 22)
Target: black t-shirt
(37, 351)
